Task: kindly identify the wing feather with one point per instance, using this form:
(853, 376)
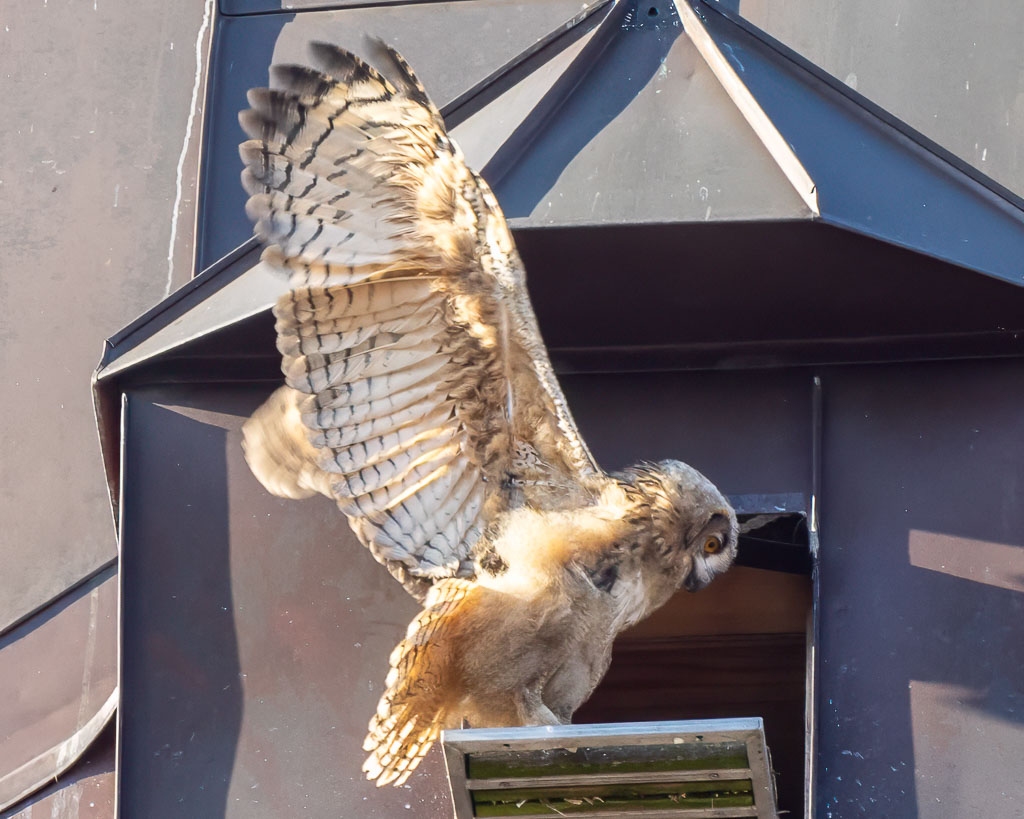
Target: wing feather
(409, 345)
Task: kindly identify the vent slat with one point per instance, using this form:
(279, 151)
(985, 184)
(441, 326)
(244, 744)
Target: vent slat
(662, 808)
(693, 755)
(602, 778)
(627, 790)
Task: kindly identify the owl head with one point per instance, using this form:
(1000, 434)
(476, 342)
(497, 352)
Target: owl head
(696, 528)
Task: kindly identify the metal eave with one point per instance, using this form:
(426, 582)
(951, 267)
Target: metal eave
(860, 100)
(241, 293)
(625, 125)
(234, 288)
(874, 174)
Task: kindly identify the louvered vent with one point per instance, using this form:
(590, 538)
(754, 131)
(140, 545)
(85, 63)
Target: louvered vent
(710, 768)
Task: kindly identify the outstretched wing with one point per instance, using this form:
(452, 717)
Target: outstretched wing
(407, 335)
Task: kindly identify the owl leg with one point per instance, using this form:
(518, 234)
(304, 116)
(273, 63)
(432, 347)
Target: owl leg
(563, 714)
(532, 710)
(521, 706)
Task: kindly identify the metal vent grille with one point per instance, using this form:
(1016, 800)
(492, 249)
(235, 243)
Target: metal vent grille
(707, 768)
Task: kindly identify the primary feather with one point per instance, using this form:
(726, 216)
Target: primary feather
(419, 395)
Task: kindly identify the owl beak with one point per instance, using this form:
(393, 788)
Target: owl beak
(694, 581)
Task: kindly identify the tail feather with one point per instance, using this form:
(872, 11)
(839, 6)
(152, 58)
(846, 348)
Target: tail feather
(413, 709)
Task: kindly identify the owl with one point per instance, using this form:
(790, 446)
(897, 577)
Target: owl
(419, 396)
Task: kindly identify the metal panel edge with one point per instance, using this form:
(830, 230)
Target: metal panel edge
(57, 598)
(749, 107)
(216, 276)
(601, 733)
(811, 676)
(462, 107)
(119, 718)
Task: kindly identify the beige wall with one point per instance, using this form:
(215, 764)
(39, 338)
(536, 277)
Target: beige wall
(97, 102)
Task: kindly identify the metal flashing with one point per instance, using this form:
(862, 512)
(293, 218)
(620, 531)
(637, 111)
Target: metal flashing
(467, 103)
(874, 174)
(83, 791)
(198, 308)
(53, 762)
(65, 594)
(626, 125)
(944, 23)
(56, 760)
(143, 331)
(556, 128)
(251, 292)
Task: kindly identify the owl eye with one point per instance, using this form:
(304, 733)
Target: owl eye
(712, 545)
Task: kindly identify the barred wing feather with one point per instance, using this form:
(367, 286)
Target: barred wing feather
(419, 393)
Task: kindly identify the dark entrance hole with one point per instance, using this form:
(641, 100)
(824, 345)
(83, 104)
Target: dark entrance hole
(736, 649)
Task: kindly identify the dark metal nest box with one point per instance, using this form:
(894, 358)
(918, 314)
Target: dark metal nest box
(733, 257)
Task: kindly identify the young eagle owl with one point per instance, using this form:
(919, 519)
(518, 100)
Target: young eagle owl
(420, 397)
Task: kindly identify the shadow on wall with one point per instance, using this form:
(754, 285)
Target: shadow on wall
(921, 601)
(989, 626)
(945, 701)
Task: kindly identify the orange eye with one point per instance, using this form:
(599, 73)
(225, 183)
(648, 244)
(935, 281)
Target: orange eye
(712, 545)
